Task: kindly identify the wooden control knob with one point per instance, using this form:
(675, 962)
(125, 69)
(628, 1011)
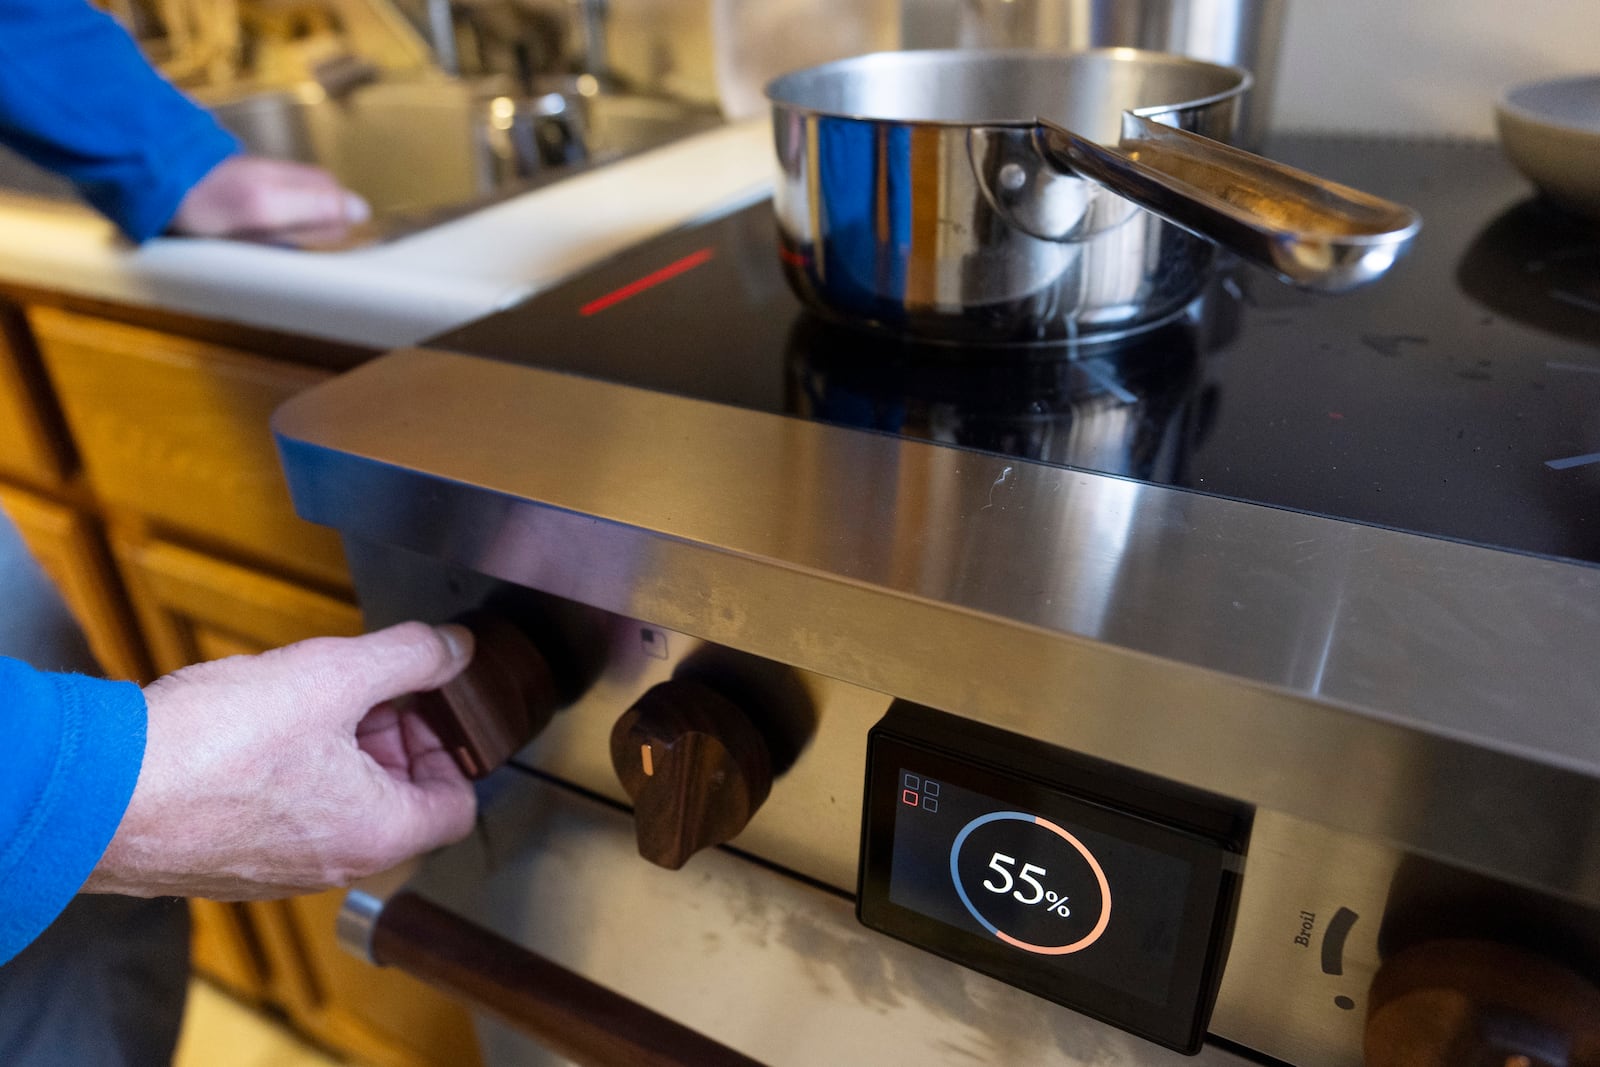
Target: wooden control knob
(499, 703)
(1480, 1004)
(694, 764)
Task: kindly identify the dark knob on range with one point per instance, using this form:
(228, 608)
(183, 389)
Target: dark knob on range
(695, 766)
(1462, 1003)
(499, 703)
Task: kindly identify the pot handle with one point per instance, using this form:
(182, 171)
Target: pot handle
(1307, 230)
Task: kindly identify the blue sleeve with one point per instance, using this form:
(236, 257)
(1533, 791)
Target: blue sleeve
(78, 98)
(71, 756)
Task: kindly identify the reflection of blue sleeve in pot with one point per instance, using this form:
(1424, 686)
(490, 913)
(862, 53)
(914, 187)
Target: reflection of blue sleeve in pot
(865, 194)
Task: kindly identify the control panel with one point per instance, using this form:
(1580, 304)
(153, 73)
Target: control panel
(1336, 951)
(1108, 892)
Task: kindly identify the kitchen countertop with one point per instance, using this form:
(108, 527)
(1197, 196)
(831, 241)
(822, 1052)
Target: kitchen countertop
(405, 290)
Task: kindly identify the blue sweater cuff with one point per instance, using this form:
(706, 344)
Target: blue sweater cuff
(78, 98)
(145, 200)
(91, 735)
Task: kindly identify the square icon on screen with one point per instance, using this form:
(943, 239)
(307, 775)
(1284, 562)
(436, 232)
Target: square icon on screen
(930, 787)
(909, 796)
(913, 782)
(929, 804)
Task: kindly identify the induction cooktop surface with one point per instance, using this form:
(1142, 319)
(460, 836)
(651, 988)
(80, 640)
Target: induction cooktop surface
(1457, 397)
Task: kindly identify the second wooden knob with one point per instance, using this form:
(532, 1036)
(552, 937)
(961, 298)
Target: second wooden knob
(695, 766)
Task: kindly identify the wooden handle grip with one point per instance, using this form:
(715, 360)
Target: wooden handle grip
(566, 1012)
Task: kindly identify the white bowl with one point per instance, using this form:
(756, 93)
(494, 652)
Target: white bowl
(1550, 130)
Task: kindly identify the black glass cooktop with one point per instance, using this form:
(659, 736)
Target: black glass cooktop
(1457, 397)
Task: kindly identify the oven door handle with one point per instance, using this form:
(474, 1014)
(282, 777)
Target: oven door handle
(563, 1010)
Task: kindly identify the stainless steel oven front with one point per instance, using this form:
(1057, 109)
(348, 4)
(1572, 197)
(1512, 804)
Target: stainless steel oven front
(949, 757)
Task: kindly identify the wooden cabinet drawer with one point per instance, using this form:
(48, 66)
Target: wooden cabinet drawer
(70, 550)
(33, 442)
(224, 947)
(177, 431)
(193, 607)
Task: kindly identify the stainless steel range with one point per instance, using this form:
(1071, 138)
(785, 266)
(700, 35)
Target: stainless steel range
(1233, 690)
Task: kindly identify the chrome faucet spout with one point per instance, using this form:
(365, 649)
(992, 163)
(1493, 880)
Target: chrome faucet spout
(590, 17)
(442, 35)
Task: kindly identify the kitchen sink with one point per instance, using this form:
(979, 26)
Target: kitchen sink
(427, 150)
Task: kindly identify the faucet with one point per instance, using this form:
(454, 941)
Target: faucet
(525, 40)
(590, 16)
(442, 35)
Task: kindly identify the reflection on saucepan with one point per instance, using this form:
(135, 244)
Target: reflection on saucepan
(1134, 407)
(1538, 265)
(932, 194)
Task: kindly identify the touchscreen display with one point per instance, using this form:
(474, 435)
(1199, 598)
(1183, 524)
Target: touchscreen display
(1091, 903)
(1105, 891)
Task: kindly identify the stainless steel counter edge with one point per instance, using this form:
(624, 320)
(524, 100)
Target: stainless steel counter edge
(1437, 695)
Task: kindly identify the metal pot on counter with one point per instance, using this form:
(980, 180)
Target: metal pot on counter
(976, 196)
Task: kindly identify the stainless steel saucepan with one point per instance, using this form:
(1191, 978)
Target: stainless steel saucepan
(1027, 196)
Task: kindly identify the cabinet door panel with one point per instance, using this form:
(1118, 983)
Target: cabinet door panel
(33, 442)
(68, 547)
(224, 946)
(177, 431)
(193, 607)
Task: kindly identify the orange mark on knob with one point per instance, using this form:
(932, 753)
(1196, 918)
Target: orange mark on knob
(647, 760)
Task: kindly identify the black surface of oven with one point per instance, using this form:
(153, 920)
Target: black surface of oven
(1458, 397)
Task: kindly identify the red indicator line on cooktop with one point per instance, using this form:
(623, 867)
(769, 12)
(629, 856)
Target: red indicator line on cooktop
(649, 281)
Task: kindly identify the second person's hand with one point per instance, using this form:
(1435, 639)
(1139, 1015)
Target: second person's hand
(251, 194)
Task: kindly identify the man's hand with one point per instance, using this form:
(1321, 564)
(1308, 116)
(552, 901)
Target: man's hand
(249, 194)
(291, 771)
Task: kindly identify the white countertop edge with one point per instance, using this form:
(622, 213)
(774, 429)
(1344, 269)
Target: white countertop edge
(407, 290)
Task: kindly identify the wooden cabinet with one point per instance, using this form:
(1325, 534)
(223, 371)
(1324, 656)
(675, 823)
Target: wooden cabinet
(67, 545)
(224, 946)
(34, 447)
(138, 464)
(176, 432)
(194, 607)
